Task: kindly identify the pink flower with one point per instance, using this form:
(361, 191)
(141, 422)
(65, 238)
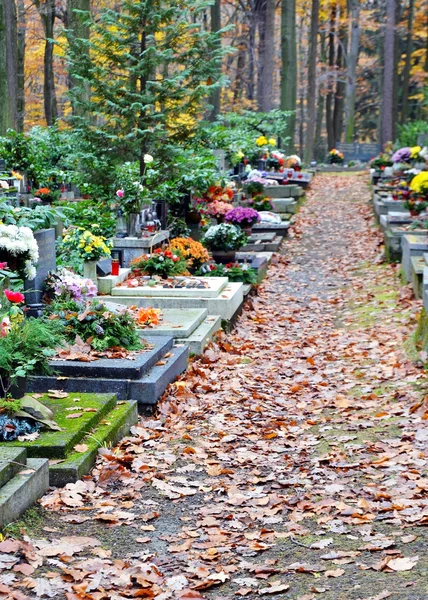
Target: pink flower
(3, 265)
(4, 326)
(14, 297)
(120, 193)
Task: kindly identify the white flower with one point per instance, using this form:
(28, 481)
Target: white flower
(148, 158)
(424, 153)
(4, 184)
(161, 259)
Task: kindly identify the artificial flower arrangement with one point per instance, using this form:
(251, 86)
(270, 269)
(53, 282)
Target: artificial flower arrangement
(262, 140)
(293, 162)
(26, 344)
(19, 247)
(381, 161)
(163, 263)
(146, 317)
(219, 193)
(261, 203)
(225, 237)
(235, 272)
(91, 328)
(243, 217)
(275, 160)
(218, 209)
(66, 285)
(192, 251)
(335, 157)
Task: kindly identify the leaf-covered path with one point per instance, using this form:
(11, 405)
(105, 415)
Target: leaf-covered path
(288, 462)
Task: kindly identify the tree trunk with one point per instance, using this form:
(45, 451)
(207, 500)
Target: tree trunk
(265, 89)
(22, 26)
(388, 74)
(352, 70)
(47, 14)
(8, 65)
(252, 28)
(289, 67)
(331, 79)
(312, 82)
(78, 30)
(339, 98)
(215, 99)
(397, 57)
(319, 150)
(240, 69)
(408, 63)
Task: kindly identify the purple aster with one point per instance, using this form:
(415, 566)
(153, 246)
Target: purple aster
(242, 216)
(402, 155)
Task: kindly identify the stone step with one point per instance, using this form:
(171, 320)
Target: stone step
(209, 288)
(12, 460)
(91, 408)
(25, 488)
(279, 228)
(110, 431)
(177, 323)
(284, 205)
(145, 390)
(204, 334)
(225, 304)
(112, 368)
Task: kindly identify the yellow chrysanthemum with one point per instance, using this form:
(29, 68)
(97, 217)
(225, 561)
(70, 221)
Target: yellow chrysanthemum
(414, 152)
(261, 141)
(419, 183)
(272, 142)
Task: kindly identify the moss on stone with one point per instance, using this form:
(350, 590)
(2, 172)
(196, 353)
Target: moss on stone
(57, 444)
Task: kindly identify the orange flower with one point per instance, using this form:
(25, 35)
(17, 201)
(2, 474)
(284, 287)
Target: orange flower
(148, 316)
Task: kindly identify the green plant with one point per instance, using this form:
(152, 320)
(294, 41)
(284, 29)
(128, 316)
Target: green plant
(95, 216)
(233, 271)
(95, 324)
(408, 133)
(261, 203)
(79, 245)
(224, 237)
(165, 263)
(39, 217)
(255, 187)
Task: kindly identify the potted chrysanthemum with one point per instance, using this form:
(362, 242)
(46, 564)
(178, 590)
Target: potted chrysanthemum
(243, 217)
(223, 241)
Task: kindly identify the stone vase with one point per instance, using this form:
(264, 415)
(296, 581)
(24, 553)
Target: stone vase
(224, 256)
(90, 270)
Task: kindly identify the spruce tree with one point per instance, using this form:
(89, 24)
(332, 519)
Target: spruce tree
(149, 65)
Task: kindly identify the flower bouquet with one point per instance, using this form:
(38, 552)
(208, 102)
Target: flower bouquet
(46, 195)
(233, 271)
(193, 252)
(224, 240)
(219, 193)
(381, 161)
(66, 285)
(261, 203)
(245, 218)
(81, 249)
(164, 263)
(218, 210)
(335, 157)
(19, 249)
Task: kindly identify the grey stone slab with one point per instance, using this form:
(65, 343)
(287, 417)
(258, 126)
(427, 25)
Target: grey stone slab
(284, 205)
(45, 239)
(204, 334)
(265, 236)
(176, 323)
(12, 460)
(412, 245)
(279, 228)
(107, 283)
(104, 267)
(18, 494)
(225, 304)
(116, 368)
(210, 288)
(416, 278)
(132, 248)
(146, 391)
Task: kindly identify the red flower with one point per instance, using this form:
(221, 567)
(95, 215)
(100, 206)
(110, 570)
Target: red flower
(168, 253)
(175, 258)
(3, 265)
(158, 251)
(229, 265)
(14, 297)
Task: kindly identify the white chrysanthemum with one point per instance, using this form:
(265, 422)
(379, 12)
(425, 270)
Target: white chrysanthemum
(30, 270)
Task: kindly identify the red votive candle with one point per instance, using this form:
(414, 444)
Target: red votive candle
(115, 266)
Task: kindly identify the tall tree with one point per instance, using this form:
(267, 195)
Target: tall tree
(153, 67)
(215, 99)
(266, 55)
(22, 28)
(46, 10)
(351, 73)
(408, 62)
(289, 67)
(312, 81)
(8, 65)
(77, 26)
(339, 96)
(387, 126)
(332, 77)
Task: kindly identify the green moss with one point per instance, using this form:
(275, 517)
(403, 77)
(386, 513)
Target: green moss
(57, 444)
(29, 521)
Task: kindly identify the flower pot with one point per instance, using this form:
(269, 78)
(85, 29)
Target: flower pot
(17, 390)
(194, 217)
(247, 230)
(90, 270)
(134, 225)
(224, 256)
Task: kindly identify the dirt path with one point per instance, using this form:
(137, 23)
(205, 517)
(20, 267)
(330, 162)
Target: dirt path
(289, 462)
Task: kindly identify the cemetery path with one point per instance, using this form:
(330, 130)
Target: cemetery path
(288, 461)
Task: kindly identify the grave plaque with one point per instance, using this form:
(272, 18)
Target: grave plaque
(47, 262)
(357, 151)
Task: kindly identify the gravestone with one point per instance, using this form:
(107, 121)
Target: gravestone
(104, 267)
(33, 289)
(357, 151)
